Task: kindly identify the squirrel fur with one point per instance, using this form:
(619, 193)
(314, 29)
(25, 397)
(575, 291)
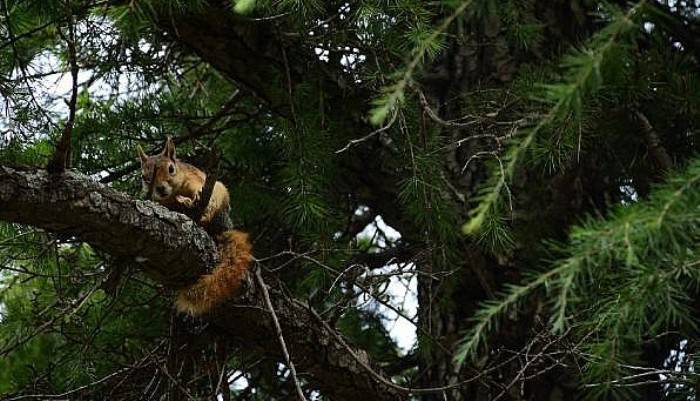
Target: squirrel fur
(178, 186)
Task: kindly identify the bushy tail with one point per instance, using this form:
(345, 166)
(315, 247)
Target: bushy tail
(219, 285)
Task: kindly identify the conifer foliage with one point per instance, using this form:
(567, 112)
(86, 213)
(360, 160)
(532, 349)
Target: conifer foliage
(470, 199)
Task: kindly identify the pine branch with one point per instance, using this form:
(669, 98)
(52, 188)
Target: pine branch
(585, 70)
(658, 231)
(394, 93)
(486, 318)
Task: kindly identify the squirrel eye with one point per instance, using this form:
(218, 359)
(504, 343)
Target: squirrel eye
(144, 177)
(171, 169)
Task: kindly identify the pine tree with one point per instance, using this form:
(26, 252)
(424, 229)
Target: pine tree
(537, 160)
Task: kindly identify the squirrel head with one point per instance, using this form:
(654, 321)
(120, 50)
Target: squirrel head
(162, 175)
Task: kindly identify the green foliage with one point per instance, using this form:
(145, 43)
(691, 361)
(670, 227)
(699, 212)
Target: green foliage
(305, 179)
(639, 265)
(59, 287)
(365, 330)
(244, 6)
(428, 44)
(16, 152)
(585, 72)
(424, 194)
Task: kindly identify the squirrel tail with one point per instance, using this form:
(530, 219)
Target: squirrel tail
(223, 281)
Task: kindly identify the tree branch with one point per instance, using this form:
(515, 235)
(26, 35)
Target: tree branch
(174, 251)
(278, 330)
(653, 142)
(61, 157)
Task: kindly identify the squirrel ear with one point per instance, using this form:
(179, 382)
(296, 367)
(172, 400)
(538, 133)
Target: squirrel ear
(169, 150)
(142, 155)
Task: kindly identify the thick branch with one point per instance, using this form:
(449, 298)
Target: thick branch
(174, 251)
(656, 149)
(171, 247)
(241, 50)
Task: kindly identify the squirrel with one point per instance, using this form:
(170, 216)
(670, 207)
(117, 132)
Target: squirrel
(178, 186)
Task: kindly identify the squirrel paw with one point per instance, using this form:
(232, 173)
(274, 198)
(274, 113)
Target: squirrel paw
(184, 201)
(197, 197)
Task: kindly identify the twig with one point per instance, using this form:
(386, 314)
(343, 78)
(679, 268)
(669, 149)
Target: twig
(288, 76)
(433, 115)
(368, 136)
(70, 392)
(378, 376)
(278, 329)
(20, 65)
(174, 380)
(61, 157)
(208, 188)
(190, 135)
(529, 362)
(306, 256)
(16, 38)
(67, 313)
(267, 18)
(224, 111)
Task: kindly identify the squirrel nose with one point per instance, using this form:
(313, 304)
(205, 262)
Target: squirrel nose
(161, 190)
